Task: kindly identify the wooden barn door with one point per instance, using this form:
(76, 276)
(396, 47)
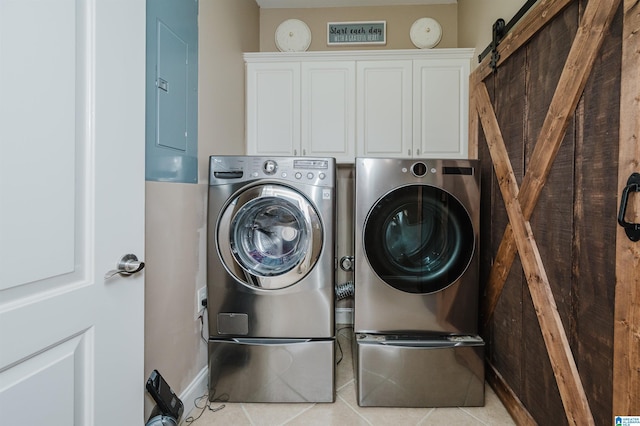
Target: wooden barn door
(626, 359)
(559, 125)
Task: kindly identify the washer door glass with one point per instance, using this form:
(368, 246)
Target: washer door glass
(269, 236)
(419, 239)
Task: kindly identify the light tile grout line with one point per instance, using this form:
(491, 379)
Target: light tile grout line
(355, 411)
(298, 415)
(345, 385)
(433, 410)
(246, 413)
(468, 413)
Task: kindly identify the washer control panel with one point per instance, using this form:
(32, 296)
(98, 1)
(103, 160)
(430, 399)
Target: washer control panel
(313, 171)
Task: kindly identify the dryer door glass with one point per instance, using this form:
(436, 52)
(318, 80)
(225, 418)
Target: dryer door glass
(270, 237)
(419, 239)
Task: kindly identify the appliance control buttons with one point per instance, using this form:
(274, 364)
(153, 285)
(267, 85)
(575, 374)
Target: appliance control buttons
(284, 174)
(433, 170)
(322, 176)
(269, 167)
(298, 175)
(254, 174)
(309, 175)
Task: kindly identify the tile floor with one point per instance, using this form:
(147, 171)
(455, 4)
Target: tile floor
(345, 411)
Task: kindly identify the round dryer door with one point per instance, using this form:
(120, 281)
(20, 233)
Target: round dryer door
(269, 236)
(419, 239)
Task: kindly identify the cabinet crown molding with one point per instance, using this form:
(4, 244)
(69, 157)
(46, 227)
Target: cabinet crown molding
(359, 55)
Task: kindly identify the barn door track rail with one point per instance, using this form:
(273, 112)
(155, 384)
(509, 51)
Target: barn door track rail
(520, 202)
(498, 31)
(511, 41)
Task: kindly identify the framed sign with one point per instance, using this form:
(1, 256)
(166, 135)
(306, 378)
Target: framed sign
(365, 32)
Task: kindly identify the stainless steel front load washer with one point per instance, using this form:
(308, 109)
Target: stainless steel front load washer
(416, 283)
(270, 279)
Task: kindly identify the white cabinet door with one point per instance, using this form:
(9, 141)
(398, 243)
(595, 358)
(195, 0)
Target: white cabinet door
(384, 116)
(440, 109)
(273, 108)
(328, 110)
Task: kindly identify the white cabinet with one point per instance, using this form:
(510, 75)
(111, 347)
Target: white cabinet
(389, 103)
(440, 108)
(301, 108)
(413, 108)
(273, 108)
(328, 110)
(384, 100)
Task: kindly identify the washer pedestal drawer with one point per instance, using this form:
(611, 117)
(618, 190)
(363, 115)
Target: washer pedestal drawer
(405, 371)
(272, 370)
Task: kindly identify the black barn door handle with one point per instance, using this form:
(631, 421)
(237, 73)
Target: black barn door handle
(631, 229)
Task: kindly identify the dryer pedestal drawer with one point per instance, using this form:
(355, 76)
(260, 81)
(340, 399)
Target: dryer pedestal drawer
(272, 370)
(394, 371)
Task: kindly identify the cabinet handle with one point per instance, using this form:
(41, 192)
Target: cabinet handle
(417, 152)
(295, 152)
(409, 152)
(304, 152)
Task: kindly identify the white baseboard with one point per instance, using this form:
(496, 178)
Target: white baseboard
(344, 315)
(198, 387)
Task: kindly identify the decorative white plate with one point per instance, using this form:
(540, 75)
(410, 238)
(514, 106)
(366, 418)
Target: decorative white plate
(425, 33)
(293, 35)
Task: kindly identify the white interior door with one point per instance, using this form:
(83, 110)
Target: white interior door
(71, 204)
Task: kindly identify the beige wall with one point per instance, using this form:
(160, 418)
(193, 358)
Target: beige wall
(467, 24)
(399, 20)
(176, 213)
(228, 28)
(175, 268)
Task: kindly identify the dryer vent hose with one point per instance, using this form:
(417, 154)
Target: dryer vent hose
(344, 290)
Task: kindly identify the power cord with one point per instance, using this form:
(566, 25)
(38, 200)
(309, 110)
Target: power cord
(201, 318)
(198, 400)
(207, 406)
(338, 341)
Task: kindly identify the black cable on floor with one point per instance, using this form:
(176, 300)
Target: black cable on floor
(206, 406)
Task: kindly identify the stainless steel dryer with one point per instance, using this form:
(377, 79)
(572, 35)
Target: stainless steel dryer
(270, 278)
(416, 283)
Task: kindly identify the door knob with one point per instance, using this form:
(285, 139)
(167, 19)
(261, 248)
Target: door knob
(127, 265)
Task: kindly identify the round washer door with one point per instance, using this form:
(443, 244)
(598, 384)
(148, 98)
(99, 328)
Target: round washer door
(419, 239)
(269, 236)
